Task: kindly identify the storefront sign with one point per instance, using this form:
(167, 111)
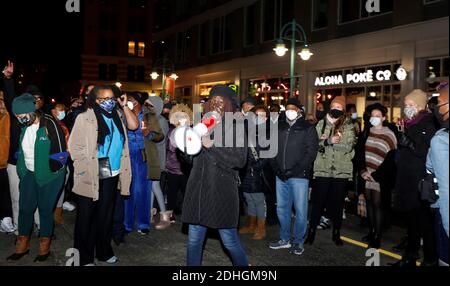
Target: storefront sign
(359, 78)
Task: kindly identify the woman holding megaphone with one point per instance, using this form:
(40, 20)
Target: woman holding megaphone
(212, 199)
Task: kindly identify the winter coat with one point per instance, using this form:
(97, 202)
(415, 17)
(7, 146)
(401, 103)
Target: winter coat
(83, 148)
(411, 161)
(297, 149)
(335, 161)
(211, 197)
(50, 156)
(4, 140)
(151, 147)
(15, 126)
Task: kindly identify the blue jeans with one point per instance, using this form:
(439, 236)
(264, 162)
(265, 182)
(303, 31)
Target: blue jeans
(230, 239)
(293, 192)
(137, 205)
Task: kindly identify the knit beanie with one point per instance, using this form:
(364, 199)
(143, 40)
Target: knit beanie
(340, 100)
(419, 97)
(24, 104)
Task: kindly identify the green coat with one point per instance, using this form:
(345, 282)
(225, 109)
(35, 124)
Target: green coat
(43, 173)
(336, 161)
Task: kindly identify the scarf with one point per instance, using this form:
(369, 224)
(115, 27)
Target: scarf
(103, 129)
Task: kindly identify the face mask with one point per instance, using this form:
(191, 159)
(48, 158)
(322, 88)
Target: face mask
(130, 105)
(108, 105)
(410, 112)
(439, 116)
(336, 113)
(375, 121)
(320, 115)
(354, 116)
(291, 115)
(27, 120)
(61, 115)
(243, 112)
(259, 120)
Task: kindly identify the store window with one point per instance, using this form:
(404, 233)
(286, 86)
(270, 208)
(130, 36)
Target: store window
(437, 70)
(320, 14)
(355, 10)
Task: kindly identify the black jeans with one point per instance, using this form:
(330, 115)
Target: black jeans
(328, 193)
(5, 195)
(119, 216)
(421, 224)
(176, 185)
(94, 223)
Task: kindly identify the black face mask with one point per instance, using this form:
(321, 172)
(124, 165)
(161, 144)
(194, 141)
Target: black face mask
(336, 113)
(440, 117)
(320, 114)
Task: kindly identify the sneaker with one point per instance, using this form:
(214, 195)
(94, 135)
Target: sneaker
(344, 216)
(89, 265)
(296, 249)
(68, 207)
(143, 231)
(112, 260)
(7, 225)
(281, 244)
(324, 223)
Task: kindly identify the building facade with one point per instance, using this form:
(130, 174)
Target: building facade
(368, 57)
(117, 48)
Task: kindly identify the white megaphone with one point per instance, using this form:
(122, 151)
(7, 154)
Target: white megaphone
(189, 140)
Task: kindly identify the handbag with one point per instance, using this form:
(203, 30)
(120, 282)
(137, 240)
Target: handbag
(429, 189)
(104, 164)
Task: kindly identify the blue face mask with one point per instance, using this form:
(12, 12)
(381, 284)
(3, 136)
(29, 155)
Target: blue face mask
(108, 105)
(61, 115)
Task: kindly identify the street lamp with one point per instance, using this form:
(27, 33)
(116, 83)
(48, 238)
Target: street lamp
(291, 29)
(166, 66)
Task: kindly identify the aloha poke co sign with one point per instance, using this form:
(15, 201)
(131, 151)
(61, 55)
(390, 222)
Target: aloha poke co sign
(355, 78)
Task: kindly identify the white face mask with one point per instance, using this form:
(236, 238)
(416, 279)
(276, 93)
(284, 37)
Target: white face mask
(375, 121)
(291, 115)
(354, 116)
(411, 111)
(130, 105)
(243, 112)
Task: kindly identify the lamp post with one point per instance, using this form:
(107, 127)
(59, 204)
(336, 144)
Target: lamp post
(291, 29)
(166, 66)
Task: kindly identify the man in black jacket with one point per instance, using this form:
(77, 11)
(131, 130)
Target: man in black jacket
(298, 144)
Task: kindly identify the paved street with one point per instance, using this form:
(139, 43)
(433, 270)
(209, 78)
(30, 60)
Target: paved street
(168, 248)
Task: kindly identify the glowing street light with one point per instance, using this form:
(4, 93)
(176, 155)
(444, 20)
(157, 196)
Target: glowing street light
(154, 75)
(280, 49)
(305, 54)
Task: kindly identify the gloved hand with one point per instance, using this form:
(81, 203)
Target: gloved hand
(282, 176)
(405, 141)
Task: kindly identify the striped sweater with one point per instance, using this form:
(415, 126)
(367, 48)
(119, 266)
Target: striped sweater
(379, 143)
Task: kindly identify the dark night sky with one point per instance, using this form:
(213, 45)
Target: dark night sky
(42, 32)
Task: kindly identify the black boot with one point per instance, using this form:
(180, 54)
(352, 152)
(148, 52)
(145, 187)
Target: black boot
(337, 237)
(311, 236)
(375, 242)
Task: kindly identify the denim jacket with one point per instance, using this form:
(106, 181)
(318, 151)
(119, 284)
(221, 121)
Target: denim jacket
(437, 163)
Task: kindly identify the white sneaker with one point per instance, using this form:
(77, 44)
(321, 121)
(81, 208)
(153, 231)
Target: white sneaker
(7, 225)
(68, 207)
(112, 260)
(344, 216)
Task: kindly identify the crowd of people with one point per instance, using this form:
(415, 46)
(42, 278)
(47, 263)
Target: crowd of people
(110, 153)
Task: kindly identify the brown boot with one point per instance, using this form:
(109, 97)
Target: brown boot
(22, 248)
(164, 220)
(260, 233)
(250, 228)
(58, 216)
(44, 249)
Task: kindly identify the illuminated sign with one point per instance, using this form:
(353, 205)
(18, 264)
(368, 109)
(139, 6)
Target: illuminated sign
(357, 78)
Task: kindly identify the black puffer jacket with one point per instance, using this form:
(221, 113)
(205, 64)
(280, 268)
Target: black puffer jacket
(411, 159)
(212, 198)
(297, 149)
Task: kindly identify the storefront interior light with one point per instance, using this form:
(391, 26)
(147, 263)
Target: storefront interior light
(154, 75)
(280, 49)
(373, 94)
(118, 84)
(306, 53)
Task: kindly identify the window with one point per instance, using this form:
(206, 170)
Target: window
(131, 73)
(141, 49)
(275, 14)
(437, 70)
(131, 48)
(103, 47)
(108, 22)
(112, 72)
(182, 46)
(425, 2)
(203, 39)
(250, 20)
(107, 47)
(355, 10)
(102, 71)
(140, 73)
(222, 34)
(320, 14)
